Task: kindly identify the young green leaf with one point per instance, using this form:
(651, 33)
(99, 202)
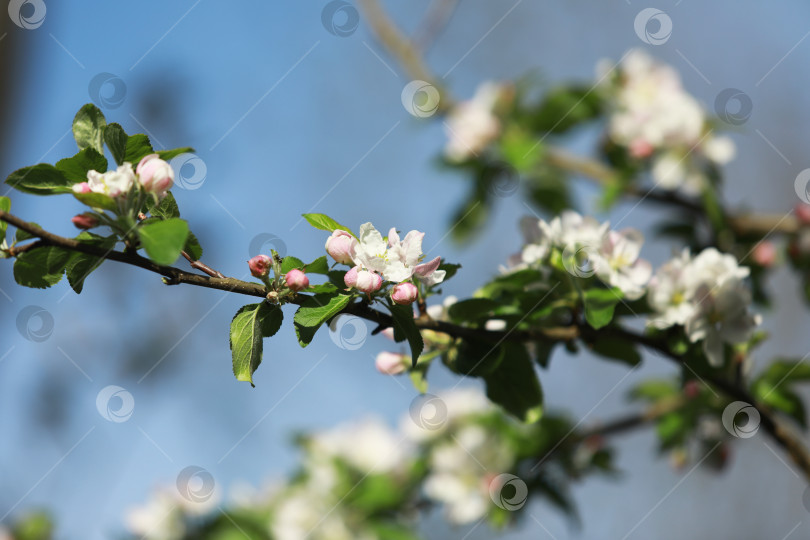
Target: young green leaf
(88, 128)
(616, 349)
(404, 325)
(82, 265)
(116, 139)
(5, 206)
(514, 384)
(249, 326)
(167, 155)
(599, 306)
(42, 179)
(166, 209)
(97, 200)
(42, 267)
(163, 240)
(138, 146)
(325, 223)
(316, 310)
(288, 263)
(75, 168)
(318, 266)
(193, 247)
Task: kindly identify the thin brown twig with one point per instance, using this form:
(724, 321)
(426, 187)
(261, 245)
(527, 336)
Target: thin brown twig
(173, 276)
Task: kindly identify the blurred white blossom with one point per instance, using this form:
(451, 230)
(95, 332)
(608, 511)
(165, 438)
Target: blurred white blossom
(654, 117)
(472, 125)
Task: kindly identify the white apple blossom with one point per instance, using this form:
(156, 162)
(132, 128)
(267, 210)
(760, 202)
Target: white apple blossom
(160, 518)
(668, 293)
(708, 296)
(472, 125)
(617, 262)
(113, 183)
(368, 446)
(653, 116)
(461, 469)
(397, 260)
(612, 255)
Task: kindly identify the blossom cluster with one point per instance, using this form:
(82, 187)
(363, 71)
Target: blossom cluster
(708, 296)
(473, 125)
(587, 247)
(443, 453)
(153, 174)
(375, 260)
(653, 117)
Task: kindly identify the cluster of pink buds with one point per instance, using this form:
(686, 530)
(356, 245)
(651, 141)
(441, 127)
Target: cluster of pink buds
(260, 265)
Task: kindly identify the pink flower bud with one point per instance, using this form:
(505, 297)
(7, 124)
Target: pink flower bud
(640, 148)
(350, 279)
(155, 175)
(341, 246)
(260, 265)
(389, 363)
(803, 213)
(82, 187)
(296, 280)
(85, 221)
(404, 293)
(368, 281)
(764, 254)
(691, 389)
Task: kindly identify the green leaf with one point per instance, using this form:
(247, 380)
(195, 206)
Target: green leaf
(249, 326)
(288, 263)
(166, 208)
(5, 206)
(785, 400)
(450, 269)
(88, 128)
(514, 384)
(41, 268)
(654, 390)
(76, 168)
(193, 247)
(599, 306)
(318, 266)
(472, 310)
(82, 265)
(325, 223)
(163, 240)
(21, 235)
(42, 179)
(477, 358)
(565, 107)
(116, 139)
(138, 146)
(97, 200)
(405, 325)
(167, 155)
(616, 349)
(314, 311)
(322, 288)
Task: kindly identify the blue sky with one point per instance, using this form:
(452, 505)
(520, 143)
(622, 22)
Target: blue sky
(288, 118)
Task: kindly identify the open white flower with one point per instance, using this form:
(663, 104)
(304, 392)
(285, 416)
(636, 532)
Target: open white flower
(397, 260)
(113, 183)
(472, 125)
(653, 115)
(459, 475)
(708, 296)
(669, 294)
(570, 229)
(617, 262)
